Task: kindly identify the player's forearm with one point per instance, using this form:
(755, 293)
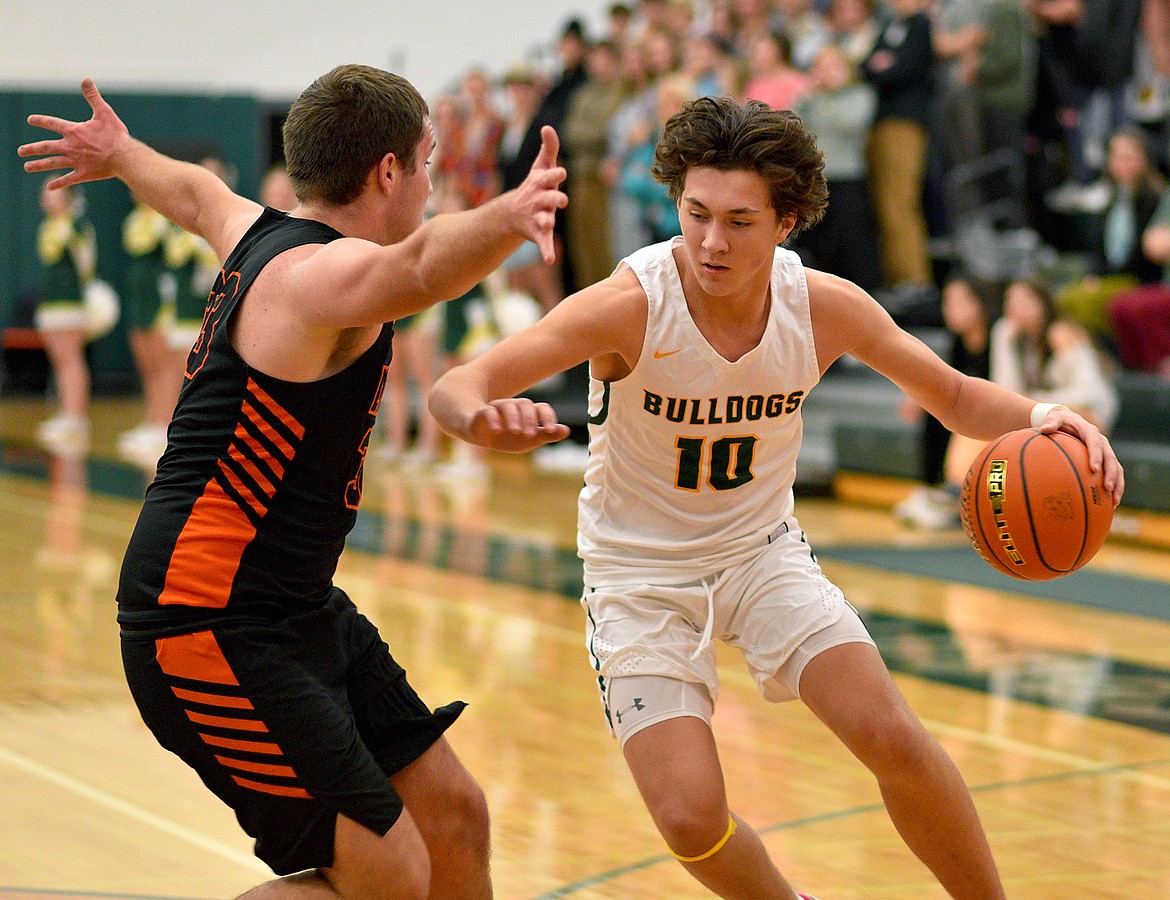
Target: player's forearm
(178, 190)
(983, 410)
(455, 399)
(458, 250)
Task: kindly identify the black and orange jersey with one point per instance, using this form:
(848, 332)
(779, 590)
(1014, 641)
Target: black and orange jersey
(261, 479)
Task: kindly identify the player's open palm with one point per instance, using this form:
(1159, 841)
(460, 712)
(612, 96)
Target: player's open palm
(516, 425)
(88, 148)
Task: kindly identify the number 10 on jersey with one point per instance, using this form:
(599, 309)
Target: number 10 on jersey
(729, 462)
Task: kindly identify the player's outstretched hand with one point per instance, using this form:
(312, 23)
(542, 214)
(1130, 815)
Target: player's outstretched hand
(516, 425)
(539, 197)
(1101, 456)
(89, 148)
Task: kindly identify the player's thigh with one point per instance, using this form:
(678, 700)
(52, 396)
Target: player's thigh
(368, 865)
(444, 800)
(675, 764)
(783, 600)
(849, 688)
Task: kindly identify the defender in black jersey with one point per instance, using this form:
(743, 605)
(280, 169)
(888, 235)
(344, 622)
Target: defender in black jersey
(243, 657)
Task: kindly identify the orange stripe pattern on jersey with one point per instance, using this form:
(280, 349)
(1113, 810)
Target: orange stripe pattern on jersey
(225, 518)
(198, 658)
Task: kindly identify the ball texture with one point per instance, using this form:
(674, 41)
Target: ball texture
(1031, 507)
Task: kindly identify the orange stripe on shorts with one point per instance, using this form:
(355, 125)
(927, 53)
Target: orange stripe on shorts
(195, 656)
(280, 790)
(226, 722)
(258, 768)
(243, 746)
(212, 699)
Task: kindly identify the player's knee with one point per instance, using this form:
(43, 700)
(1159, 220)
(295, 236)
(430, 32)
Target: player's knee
(691, 825)
(465, 827)
(894, 744)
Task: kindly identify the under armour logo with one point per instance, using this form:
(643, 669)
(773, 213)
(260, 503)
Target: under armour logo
(637, 706)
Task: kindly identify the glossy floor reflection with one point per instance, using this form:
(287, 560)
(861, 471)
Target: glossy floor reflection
(1056, 705)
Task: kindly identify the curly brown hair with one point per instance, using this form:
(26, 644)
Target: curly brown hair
(343, 124)
(726, 135)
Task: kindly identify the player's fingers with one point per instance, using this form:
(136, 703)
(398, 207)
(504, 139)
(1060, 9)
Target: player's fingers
(39, 148)
(67, 180)
(551, 178)
(491, 418)
(1111, 474)
(550, 146)
(546, 416)
(47, 163)
(521, 419)
(49, 123)
(92, 95)
(548, 250)
(1118, 484)
(543, 238)
(510, 416)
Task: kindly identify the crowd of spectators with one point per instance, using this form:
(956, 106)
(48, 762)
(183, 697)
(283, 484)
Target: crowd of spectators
(936, 118)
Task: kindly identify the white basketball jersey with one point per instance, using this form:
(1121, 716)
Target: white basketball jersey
(692, 458)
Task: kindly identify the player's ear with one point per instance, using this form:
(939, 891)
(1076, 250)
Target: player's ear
(386, 171)
(784, 227)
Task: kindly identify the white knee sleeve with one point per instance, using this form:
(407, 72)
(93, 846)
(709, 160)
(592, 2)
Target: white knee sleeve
(633, 702)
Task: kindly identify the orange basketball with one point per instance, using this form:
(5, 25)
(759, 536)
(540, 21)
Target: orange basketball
(1032, 508)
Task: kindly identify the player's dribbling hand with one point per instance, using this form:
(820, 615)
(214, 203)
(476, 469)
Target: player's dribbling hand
(539, 197)
(1101, 456)
(88, 148)
(516, 425)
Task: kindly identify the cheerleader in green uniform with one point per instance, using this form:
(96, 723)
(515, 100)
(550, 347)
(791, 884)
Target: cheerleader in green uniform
(68, 252)
(148, 307)
(194, 267)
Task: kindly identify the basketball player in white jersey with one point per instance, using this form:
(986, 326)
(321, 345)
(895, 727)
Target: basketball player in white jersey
(702, 351)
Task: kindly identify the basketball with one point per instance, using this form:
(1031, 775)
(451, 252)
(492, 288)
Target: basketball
(1031, 507)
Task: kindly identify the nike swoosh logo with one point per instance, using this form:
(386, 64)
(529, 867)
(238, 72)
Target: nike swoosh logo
(658, 354)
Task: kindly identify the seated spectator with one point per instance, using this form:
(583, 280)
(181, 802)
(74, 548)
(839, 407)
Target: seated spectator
(1050, 359)
(968, 308)
(1118, 263)
(1141, 318)
(626, 128)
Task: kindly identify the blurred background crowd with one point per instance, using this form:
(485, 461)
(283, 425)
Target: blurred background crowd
(997, 171)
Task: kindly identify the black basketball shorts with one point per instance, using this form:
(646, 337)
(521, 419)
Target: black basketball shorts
(288, 722)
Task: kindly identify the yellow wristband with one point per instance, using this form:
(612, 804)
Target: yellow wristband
(731, 826)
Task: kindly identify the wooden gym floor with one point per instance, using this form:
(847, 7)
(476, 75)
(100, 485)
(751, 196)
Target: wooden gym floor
(1055, 704)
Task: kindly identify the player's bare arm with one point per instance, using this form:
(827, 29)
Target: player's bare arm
(445, 257)
(847, 320)
(604, 323)
(102, 147)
